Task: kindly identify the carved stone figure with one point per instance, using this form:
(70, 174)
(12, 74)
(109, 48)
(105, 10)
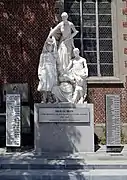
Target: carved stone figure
(73, 84)
(62, 77)
(64, 91)
(79, 71)
(47, 72)
(63, 34)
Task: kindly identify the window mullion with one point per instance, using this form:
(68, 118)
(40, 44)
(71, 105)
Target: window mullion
(97, 40)
(81, 27)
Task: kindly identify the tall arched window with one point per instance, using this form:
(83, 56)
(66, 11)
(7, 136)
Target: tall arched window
(93, 20)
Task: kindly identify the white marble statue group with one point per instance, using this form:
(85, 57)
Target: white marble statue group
(62, 71)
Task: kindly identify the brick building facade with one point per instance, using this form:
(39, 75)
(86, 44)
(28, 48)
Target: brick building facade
(25, 24)
(111, 14)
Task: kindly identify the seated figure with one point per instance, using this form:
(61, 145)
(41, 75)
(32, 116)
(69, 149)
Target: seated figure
(78, 71)
(72, 82)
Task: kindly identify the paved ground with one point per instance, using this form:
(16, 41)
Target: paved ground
(81, 166)
(99, 157)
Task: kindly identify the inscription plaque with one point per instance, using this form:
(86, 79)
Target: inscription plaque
(13, 120)
(64, 115)
(113, 120)
(18, 88)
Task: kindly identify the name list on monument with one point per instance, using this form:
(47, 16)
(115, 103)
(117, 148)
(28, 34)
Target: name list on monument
(13, 120)
(113, 120)
(64, 115)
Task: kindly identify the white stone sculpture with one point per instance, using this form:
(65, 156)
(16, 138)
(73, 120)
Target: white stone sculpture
(64, 33)
(73, 83)
(64, 91)
(63, 77)
(79, 71)
(47, 72)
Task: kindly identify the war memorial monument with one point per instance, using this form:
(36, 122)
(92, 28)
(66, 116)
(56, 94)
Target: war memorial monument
(64, 146)
(63, 120)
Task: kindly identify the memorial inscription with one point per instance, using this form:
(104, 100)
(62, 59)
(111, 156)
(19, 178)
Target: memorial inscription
(113, 120)
(63, 128)
(64, 115)
(13, 120)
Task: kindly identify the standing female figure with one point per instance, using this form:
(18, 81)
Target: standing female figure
(47, 72)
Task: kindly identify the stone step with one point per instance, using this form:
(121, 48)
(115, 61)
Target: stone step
(36, 163)
(59, 165)
(114, 174)
(105, 166)
(41, 166)
(63, 175)
(43, 175)
(104, 156)
(48, 161)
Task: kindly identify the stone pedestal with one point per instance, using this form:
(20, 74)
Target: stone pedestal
(63, 128)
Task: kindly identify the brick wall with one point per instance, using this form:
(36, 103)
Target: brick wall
(24, 26)
(96, 95)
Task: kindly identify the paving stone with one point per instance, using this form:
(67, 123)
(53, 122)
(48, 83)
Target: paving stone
(43, 175)
(64, 175)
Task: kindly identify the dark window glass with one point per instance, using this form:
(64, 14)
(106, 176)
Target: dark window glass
(105, 20)
(72, 7)
(89, 8)
(105, 32)
(104, 8)
(106, 57)
(77, 43)
(91, 1)
(105, 45)
(89, 45)
(75, 19)
(105, 1)
(106, 70)
(89, 32)
(89, 20)
(71, 1)
(92, 70)
(91, 57)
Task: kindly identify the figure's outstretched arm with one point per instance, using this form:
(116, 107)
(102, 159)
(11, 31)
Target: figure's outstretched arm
(52, 31)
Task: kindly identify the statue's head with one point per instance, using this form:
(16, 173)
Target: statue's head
(76, 52)
(49, 45)
(64, 16)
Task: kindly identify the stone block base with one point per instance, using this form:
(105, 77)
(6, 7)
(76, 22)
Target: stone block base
(57, 136)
